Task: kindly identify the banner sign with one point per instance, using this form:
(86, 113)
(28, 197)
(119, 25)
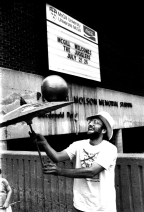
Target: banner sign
(72, 46)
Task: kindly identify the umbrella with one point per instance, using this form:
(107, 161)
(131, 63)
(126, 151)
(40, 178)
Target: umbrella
(27, 112)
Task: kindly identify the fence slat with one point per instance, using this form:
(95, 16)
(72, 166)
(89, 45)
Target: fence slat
(40, 194)
(15, 182)
(21, 183)
(69, 190)
(33, 184)
(61, 185)
(136, 188)
(54, 193)
(27, 184)
(47, 193)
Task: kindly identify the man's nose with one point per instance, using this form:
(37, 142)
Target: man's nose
(90, 124)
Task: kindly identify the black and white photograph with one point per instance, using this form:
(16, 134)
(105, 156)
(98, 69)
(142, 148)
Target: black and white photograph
(71, 106)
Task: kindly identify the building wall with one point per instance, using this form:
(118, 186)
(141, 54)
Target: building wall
(24, 45)
(127, 110)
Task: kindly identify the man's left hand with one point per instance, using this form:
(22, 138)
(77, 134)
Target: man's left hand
(50, 168)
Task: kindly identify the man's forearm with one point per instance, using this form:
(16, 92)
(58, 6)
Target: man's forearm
(76, 173)
(51, 152)
(89, 172)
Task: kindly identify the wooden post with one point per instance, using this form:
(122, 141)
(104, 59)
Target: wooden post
(118, 140)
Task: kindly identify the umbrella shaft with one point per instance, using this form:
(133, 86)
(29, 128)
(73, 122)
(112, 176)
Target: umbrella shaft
(42, 162)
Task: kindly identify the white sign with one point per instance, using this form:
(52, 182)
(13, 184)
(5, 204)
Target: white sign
(72, 46)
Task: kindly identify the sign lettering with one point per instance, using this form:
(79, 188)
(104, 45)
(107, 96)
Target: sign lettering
(81, 54)
(101, 102)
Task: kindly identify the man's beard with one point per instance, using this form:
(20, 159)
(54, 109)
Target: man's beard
(94, 135)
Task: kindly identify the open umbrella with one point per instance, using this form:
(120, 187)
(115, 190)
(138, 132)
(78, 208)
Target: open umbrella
(27, 112)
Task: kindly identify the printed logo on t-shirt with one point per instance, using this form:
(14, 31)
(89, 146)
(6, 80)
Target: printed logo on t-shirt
(87, 160)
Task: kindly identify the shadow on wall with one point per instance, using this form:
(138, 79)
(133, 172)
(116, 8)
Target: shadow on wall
(58, 142)
(133, 139)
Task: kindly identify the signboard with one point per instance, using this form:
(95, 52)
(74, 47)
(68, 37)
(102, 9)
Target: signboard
(72, 46)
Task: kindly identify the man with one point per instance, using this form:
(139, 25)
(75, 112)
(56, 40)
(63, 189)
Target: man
(94, 172)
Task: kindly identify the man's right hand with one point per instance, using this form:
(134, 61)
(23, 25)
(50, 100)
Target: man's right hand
(39, 138)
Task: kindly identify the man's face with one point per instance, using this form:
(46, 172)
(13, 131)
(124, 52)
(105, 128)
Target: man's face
(95, 127)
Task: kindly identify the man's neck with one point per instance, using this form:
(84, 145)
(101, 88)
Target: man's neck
(97, 141)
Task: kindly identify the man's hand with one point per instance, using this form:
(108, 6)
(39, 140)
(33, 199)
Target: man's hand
(51, 168)
(39, 138)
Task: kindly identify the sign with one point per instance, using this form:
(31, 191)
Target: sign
(72, 46)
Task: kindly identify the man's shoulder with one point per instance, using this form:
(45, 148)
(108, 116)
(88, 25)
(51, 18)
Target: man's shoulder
(108, 144)
(84, 141)
(81, 143)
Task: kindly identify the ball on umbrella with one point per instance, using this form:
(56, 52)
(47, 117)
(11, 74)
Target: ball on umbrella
(54, 88)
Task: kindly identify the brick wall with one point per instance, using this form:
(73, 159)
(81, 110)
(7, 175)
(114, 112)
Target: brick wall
(21, 29)
(24, 44)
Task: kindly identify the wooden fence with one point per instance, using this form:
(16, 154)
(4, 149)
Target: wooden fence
(129, 182)
(48, 193)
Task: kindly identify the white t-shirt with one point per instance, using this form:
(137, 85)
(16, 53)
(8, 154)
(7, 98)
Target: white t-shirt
(98, 193)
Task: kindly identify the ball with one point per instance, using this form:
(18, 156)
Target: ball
(54, 88)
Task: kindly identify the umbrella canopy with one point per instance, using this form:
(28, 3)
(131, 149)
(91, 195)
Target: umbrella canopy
(27, 112)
